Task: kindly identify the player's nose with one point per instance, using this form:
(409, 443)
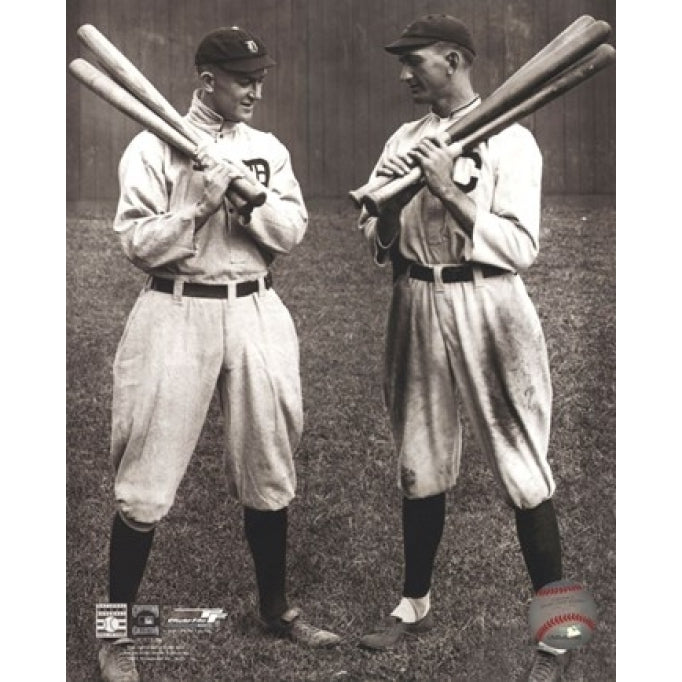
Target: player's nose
(257, 91)
(406, 74)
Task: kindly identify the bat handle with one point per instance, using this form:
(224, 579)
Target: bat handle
(370, 189)
(375, 200)
(248, 192)
(358, 195)
(241, 205)
(241, 188)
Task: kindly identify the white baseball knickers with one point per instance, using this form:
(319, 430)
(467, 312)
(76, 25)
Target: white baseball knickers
(173, 354)
(477, 346)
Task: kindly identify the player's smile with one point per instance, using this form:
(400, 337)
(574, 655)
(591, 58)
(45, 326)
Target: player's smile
(235, 94)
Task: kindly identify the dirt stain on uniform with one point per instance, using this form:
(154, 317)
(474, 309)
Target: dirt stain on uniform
(408, 479)
(500, 382)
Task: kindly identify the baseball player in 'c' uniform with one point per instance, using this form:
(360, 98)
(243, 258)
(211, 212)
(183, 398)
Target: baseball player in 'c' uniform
(462, 332)
(208, 317)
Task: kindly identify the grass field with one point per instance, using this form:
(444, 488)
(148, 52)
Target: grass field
(345, 551)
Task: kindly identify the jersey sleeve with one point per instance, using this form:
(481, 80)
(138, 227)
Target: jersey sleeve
(507, 235)
(281, 222)
(151, 235)
(367, 223)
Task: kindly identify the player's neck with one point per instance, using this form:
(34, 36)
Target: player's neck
(208, 107)
(454, 100)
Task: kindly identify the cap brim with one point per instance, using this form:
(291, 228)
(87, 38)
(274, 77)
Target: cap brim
(249, 64)
(409, 43)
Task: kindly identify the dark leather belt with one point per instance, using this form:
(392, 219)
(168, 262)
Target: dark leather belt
(454, 273)
(209, 290)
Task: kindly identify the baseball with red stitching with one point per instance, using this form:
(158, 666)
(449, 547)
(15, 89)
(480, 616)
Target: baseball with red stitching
(562, 615)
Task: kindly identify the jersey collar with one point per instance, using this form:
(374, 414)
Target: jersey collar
(204, 117)
(459, 111)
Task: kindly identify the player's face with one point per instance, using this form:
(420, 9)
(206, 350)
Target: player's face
(235, 95)
(424, 71)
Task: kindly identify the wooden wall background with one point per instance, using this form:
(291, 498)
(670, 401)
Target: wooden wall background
(334, 97)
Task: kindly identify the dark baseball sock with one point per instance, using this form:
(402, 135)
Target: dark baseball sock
(423, 521)
(266, 533)
(128, 553)
(538, 533)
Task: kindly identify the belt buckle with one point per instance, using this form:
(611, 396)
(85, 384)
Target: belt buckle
(477, 275)
(438, 278)
(178, 286)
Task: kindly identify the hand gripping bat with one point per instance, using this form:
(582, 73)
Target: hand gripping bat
(128, 90)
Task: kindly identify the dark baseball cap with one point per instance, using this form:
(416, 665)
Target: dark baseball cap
(234, 48)
(431, 29)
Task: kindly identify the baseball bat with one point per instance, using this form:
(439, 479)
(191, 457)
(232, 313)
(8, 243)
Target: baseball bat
(110, 91)
(577, 40)
(128, 76)
(566, 36)
(539, 72)
(601, 57)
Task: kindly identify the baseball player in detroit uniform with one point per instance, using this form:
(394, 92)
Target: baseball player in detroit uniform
(208, 318)
(462, 334)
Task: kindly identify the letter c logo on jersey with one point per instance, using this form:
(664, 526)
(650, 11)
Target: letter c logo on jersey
(261, 169)
(467, 165)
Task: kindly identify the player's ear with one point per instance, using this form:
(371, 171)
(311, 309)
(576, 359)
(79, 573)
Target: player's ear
(452, 58)
(207, 80)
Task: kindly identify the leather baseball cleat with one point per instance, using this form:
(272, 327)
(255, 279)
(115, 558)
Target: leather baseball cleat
(292, 626)
(116, 662)
(548, 667)
(389, 633)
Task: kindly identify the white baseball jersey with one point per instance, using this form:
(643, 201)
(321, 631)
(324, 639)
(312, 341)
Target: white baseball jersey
(502, 176)
(158, 185)
(176, 350)
(474, 346)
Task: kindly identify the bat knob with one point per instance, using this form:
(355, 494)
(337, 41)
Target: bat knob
(356, 197)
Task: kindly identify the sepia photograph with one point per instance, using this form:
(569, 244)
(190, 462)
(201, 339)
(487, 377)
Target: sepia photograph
(340, 340)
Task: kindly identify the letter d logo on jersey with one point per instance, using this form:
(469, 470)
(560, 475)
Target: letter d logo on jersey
(261, 169)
